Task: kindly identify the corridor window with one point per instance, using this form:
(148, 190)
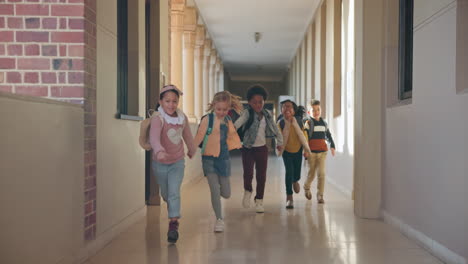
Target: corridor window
(462, 46)
(405, 52)
(127, 60)
(122, 57)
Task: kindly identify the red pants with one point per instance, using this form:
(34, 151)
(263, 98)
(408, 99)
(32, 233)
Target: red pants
(257, 156)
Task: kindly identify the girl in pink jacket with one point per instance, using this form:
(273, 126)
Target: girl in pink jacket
(169, 125)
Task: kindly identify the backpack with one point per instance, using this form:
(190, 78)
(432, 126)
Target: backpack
(310, 127)
(209, 129)
(241, 130)
(145, 129)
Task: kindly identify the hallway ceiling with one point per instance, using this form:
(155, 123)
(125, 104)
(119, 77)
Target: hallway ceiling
(232, 26)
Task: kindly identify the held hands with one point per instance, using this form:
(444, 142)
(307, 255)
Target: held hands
(279, 148)
(306, 154)
(190, 155)
(161, 155)
(333, 152)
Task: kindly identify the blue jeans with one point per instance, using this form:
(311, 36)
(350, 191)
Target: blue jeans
(169, 177)
(292, 164)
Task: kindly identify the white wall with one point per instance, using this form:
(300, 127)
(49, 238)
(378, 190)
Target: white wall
(120, 160)
(340, 167)
(425, 174)
(41, 180)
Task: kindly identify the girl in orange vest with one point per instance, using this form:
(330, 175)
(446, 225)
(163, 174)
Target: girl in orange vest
(217, 136)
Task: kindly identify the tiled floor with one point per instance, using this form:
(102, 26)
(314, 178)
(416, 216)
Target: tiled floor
(310, 233)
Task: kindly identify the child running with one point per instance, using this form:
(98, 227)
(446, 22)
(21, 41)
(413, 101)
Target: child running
(168, 126)
(295, 141)
(318, 134)
(256, 124)
(218, 136)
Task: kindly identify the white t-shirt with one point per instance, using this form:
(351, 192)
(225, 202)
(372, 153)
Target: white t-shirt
(260, 140)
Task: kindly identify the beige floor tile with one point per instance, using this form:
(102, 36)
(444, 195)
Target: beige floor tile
(310, 233)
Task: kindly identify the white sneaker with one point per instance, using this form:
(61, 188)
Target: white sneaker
(246, 199)
(259, 206)
(219, 226)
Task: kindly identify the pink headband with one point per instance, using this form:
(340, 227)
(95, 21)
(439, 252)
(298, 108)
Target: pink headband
(170, 87)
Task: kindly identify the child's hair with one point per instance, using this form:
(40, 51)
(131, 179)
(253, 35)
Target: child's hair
(256, 89)
(314, 102)
(225, 96)
(298, 114)
(300, 111)
(161, 95)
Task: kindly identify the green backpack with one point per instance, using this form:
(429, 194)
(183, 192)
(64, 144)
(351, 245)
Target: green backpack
(209, 130)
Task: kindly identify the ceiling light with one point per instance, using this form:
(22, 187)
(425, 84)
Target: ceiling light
(257, 36)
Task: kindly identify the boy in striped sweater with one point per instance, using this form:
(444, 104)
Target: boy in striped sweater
(318, 134)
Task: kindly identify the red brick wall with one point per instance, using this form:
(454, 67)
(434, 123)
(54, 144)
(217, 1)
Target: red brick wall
(89, 74)
(48, 49)
(42, 46)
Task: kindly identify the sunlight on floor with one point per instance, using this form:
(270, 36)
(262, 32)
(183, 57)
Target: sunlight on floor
(328, 233)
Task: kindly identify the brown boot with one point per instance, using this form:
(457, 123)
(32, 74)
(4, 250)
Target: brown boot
(308, 194)
(296, 187)
(320, 199)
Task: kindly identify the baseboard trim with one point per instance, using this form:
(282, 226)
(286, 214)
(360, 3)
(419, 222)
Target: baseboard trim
(105, 238)
(341, 188)
(435, 248)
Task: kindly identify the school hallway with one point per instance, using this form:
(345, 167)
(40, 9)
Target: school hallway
(79, 77)
(309, 233)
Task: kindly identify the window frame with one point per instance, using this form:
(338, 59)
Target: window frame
(461, 47)
(405, 50)
(122, 58)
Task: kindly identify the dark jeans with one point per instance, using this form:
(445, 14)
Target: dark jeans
(257, 156)
(292, 164)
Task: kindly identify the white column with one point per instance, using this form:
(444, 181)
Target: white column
(177, 30)
(298, 76)
(310, 65)
(322, 16)
(221, 78)
(217, 75)
(206, 74)
(317, 57)
(304, 71)
(199, 58)
(369, 108)
(333, 57)
(190, 20)
(213, 59)
(293, 77)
